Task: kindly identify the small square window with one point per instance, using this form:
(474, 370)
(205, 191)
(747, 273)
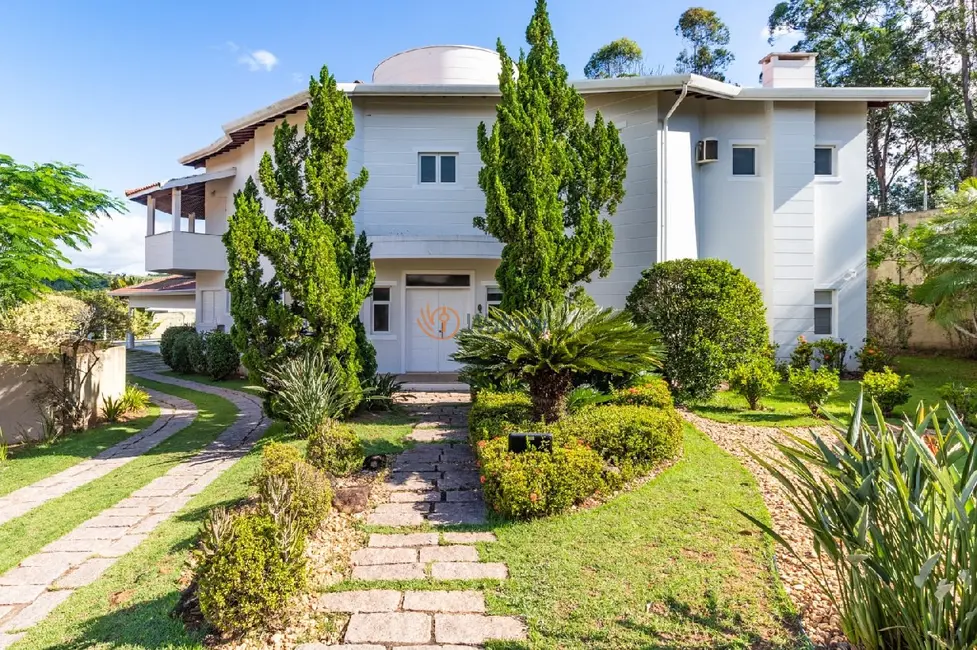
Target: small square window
(824, 312)
(448, 169)
(429, 169)
(744, 161)
(824, 161)
(493, 298)
(381, 310)
(381, 294)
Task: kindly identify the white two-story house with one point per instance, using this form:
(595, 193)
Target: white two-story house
(770, 178)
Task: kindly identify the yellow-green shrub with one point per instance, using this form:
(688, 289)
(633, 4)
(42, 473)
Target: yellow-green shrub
(887, 388)
(492, 414)
(334, 448)
(285, 476)
(638, 436)
(653, 391)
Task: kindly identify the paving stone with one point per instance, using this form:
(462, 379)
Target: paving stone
(356, 602)
(448, 554)
(444, 601)
(458, 454)
(400, 465)
(20, 594)
(366, 556)
(122, 546)
(438, 435)
(149, 524)
(460, 481)
(36, 612)
(112, 533)
(458, 514)
(463, 496)
(85, 574)
(42, 559)
(469, 571)
(401, 539)
(391, 627)
(389, 572)
(413, 484)
(428, 647)
(415, 497)
(357, 646)
(43, 574)
(467, 538)
(108, 519)
(399, 516)
(476, 628)
(7, 640)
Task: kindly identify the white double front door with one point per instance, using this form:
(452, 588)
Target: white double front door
(434, 318)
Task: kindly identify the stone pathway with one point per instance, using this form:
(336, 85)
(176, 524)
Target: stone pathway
(175, 414)
(435, 482)
(32, 590)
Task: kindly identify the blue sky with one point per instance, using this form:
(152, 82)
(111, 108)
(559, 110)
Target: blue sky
(125, 88)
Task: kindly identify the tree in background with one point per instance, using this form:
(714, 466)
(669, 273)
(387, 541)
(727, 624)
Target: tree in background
(43, 207)
(547, 175)
(620, 58)
(706, 38)
(321, 271)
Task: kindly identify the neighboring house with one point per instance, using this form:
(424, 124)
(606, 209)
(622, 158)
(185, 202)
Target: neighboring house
(172, 300)
(771, 178)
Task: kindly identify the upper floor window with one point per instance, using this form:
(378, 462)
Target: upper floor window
(437, 167)
(744, 161)
(824, 161)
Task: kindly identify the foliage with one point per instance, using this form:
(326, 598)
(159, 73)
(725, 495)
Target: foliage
(250, 569)
(653, 392)
(546, 347)
(813, 387)
(223, 359)
(112, 408)
(548, 175)
(286, 481)
(479, 379)
(706, 37)
(710, 316)
(538, 483)
(630, 437)
(831, 354)
(491, 412)
(887, 389)
(382, 392)
(44, 209)
(802, 356)
(893, 514)
(197, 352)
(873, 356)
(889, 321)
(619, 58)
(36, 330)
(318, 262)
(167, 339)
(134, 399)
(308, 391)
(586, 396)
(754, 380)
(111, 316)
(185, 351)
(335, 448)
(961, 398)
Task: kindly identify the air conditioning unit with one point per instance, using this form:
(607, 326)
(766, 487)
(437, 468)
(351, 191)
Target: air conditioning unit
(707, 151)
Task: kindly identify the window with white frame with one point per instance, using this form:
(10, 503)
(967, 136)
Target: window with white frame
(437, 168)
(493, 298)
(824, 312)
(208, 305)
(744, 160)
(824, 161)
(380, 320)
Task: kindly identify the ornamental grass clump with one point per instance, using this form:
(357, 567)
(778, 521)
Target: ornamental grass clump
(893, 514)
(309, 390)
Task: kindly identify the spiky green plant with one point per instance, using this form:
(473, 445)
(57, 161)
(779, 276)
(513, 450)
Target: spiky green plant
(309, 390)
(893, 515)
(546, 347)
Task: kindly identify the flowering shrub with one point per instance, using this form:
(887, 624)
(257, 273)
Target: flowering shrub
(652, 392)
(832, 354)
(493, 413)
(813, 386)
(871, 356)
(754, 380)
(887, 388)
(961, 398)
(633, 437)
(802, 355)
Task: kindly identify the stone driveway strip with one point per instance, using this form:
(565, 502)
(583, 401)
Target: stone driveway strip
(32, 590)
(175, 414)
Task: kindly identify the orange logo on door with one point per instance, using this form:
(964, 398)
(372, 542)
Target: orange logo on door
(439, 323)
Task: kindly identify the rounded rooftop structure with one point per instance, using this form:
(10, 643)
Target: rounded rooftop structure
(440, 64)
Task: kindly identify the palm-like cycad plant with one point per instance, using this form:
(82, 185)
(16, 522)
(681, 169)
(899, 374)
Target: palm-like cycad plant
(547, 347)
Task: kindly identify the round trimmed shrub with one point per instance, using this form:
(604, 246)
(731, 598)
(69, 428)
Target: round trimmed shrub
(889, 389)
(754, 380)
(197, 351)
(309, 494)
(538, 483)
(627, 436)
(334, 448)
(493, 414)
(182, 351)
(813, 387)
(652, 392)
(251, 575)
(711, 318)
(167, 339)
(223, 359)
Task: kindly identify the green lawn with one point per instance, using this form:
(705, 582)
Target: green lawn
(782, 410)
(383, 432)
(245, 385)
(33, 462)
(27, 534)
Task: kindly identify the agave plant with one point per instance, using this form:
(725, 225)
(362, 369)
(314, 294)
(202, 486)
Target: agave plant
(894, 517)
(309, 390)
(547, 347)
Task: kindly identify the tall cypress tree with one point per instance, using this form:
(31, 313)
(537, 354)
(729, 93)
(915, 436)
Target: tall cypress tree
(548, 176)
(321, 270)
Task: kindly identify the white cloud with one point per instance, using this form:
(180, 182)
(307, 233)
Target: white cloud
(117, 246)
(780, 33)
(258, 60)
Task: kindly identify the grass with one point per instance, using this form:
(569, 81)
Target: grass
(243, 385)
(26, 535)
(129, 607)
(383, 432)
(33, 462)
(782, 410)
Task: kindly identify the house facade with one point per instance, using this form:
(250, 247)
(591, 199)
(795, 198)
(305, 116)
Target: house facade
(770, 178)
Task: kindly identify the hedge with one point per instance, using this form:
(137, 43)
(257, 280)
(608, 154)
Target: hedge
(493, 414)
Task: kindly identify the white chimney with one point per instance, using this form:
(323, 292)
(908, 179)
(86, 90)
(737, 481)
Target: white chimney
(788, 69)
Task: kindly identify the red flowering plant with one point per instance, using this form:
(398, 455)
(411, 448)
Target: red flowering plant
(871, 357)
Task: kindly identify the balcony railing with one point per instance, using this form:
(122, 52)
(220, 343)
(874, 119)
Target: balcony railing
(185, 252)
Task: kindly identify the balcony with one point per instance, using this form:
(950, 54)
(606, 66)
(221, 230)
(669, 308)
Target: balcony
(184, 252)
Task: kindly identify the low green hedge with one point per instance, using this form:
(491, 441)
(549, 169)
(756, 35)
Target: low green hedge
(626, 436)
(493, 414)
(653, 392)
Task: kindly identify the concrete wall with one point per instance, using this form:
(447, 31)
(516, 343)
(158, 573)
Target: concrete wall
(20, 418)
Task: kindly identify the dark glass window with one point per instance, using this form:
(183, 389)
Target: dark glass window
(823, 312)
(381, 317)
(823, 161)
(381, 294)
(744, 161)
(437, 280)
(429, 169)
(448, 169)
